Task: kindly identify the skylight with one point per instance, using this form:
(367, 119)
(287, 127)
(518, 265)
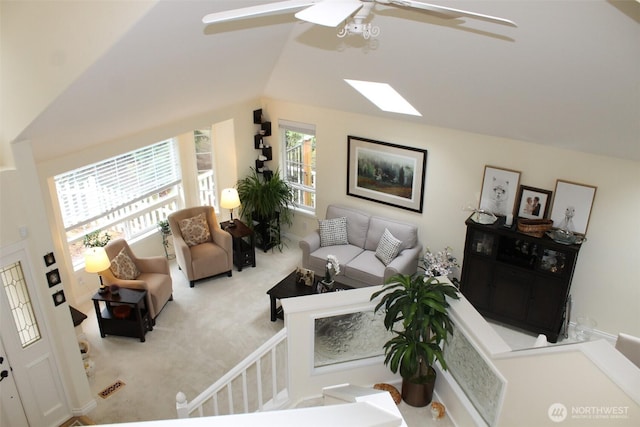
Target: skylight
(384, 97)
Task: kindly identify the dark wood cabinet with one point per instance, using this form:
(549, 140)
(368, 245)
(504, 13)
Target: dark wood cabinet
(244, 243)
(132, 322)
(267, 232)
(518, 279)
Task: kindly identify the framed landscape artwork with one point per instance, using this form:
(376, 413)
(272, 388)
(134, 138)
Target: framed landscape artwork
(533, 203)
(386, 173)
(499, 190)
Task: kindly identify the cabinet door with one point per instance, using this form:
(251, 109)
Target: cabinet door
(480, 243)
(476, 281)
(547, 303)
(511, 290)
(556, 263)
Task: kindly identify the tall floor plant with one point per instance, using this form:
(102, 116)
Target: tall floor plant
(266, 202)
(416, 311)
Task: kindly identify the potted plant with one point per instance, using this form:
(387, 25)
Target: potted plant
(96, 239)
(266, 204)
(165, 232)
(416, 311)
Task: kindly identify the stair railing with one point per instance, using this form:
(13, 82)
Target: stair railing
(267, 361)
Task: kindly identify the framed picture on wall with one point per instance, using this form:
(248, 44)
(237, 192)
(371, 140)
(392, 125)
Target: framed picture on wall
(572, 205)
(386, 173)
(499, 190)
(53, 278)
(49, 259)
(533, 202)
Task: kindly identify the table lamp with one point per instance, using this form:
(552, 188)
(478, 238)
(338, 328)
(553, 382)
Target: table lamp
(95, 261)
(229, 199)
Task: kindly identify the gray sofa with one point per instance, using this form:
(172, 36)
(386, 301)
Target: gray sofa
(359, 265)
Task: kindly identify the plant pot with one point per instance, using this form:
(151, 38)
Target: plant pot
(324, 286)
(419, 394)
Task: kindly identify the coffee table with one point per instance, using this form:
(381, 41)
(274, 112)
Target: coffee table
(288, 288)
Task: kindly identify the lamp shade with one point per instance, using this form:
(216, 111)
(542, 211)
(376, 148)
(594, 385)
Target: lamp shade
(229, 198)
(96, 260)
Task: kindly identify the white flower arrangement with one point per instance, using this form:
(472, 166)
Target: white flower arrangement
(439, 264)
(331, 269)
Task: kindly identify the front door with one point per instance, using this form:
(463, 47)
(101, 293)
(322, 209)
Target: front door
(25, 340)
(11, 410)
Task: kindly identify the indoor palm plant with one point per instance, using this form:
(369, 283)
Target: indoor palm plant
(416, 311)
(266, 204)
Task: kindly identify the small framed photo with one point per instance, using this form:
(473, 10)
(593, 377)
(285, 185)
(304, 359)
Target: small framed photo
(53, 278)
(49, 259)
(533, 203)
(304, 276)
(572, 205)
(499, 190)
(58, 298)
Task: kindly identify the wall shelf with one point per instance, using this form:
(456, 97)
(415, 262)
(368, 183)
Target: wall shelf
(260, 143)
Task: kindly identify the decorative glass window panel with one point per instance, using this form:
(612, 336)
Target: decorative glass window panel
(476, 376)
(349, 337)
(15, 287)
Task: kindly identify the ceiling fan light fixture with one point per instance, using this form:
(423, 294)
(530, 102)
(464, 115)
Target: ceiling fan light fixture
(383, 96)
(354, 27)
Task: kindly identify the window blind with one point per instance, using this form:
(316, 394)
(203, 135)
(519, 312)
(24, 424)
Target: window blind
(92, 191)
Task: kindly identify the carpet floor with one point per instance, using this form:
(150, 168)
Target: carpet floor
(199, 336)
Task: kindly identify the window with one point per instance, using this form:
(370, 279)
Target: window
(125, 195)
(15, 286)
(204, 163)
(299, 160)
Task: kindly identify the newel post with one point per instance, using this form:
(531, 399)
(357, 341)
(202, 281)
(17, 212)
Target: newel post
(182, 406)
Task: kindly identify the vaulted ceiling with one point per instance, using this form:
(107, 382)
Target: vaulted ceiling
(567, 76)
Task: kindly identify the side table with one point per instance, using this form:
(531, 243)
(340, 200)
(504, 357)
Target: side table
(244, 243)
(135, 324)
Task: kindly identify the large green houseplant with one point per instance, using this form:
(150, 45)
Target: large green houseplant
(266, 204)
(416, 311)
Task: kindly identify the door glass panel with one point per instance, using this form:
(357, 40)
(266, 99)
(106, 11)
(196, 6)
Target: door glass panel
(15, 286)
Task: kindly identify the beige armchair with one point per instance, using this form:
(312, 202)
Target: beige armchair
(202, 248)
(151, 274)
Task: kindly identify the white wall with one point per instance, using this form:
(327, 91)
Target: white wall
(36, 69)
(566, 377)
(605, 285)
(23, 206)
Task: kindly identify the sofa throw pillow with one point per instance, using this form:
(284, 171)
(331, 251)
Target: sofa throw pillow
(333, 231)
(195, 230)
(388, 247)
(123, 267)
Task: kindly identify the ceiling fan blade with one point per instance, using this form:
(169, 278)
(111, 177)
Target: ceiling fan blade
(263, 9)
(329, 13)
(448, 11)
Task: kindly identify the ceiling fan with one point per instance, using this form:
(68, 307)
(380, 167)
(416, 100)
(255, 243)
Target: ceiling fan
(331, 13)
